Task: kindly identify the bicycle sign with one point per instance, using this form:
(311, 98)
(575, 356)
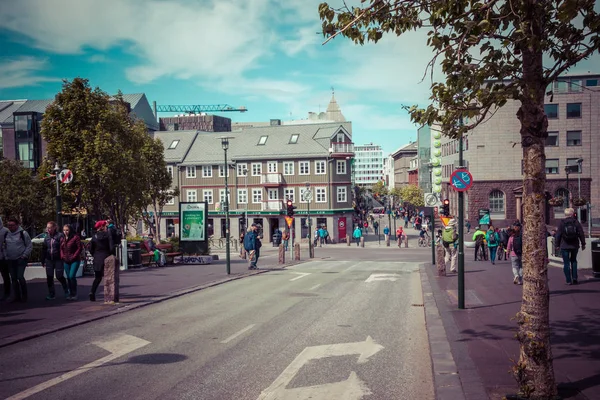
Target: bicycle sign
(461, 180)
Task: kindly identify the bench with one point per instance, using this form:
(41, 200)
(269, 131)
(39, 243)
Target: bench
(147, 255)
(169, 253)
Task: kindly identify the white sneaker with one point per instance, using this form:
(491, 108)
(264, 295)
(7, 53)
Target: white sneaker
(516, 280)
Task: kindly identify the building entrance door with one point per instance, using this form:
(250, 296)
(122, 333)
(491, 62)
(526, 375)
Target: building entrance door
(341, 229)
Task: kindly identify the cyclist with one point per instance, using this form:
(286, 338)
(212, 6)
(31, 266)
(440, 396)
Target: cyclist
(479, 239)
(423, 237)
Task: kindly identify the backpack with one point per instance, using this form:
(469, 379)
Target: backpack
(449, 236)
(492, 239)
(6, 234)
(518, 245)
(569, 230)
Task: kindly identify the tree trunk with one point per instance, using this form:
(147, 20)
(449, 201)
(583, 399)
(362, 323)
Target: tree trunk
(534, 371)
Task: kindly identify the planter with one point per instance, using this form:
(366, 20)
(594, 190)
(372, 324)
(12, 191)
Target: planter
(580, 202)
(556, 201)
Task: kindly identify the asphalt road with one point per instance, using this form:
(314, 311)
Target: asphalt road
(345, 326)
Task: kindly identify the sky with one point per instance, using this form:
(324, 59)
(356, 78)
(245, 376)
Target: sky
(266, 55)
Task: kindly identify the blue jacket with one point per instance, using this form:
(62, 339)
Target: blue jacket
(250, 241)
(357, 233)
(386, 231)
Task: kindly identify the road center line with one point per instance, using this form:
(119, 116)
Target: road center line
(314, 287)
(230, 338)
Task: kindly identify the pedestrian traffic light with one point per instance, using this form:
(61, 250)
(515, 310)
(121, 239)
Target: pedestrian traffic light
(290, 208)
(446, 208)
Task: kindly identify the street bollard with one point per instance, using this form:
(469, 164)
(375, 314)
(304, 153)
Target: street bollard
(387, 240)
(441, 260)
(348, 240)
(281, 254)
(297, 251)
(362, 241)
(405, 240)
(111, 280)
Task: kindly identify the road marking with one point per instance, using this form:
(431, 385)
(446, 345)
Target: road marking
(383, 277)
(118, 347)
(314, 287)
(351, 389)
(302, 275)
(349, 268)
(230, 338)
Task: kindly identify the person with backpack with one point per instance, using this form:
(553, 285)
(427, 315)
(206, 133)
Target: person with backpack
(102, 247)
(3, 263)
(17, 249)
(493, 240)
(449, 241)
(321, 236)
(515, 250)
(569, 234)
(357, 234)
(70, 254)
(479, 239)
(52, 262)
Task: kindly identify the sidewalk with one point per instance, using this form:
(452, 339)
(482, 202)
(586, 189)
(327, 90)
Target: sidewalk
(138, 288)
(482, 336)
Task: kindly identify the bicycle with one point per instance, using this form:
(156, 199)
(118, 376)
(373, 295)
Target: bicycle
(483, 254)
(425, 242)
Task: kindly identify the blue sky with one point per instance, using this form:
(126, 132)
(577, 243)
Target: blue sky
(262, 54)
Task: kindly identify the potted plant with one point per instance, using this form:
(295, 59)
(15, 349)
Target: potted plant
(556, 201)
(579, 202)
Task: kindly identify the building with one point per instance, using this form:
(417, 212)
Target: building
(493, 154)
(207, 123)
(402, 164)
(368, 165)
(266, 166)
(388, 171)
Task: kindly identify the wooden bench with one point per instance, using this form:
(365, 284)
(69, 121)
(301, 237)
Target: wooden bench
(147, 255)
(169, 253)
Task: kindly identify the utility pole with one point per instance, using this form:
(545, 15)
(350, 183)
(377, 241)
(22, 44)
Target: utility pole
(56, 171)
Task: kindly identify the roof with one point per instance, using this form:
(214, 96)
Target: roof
(243, 145)
(407, 148)
(186, 139)
(7, 108)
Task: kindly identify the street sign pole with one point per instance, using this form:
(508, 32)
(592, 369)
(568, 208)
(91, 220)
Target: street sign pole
(461, 233)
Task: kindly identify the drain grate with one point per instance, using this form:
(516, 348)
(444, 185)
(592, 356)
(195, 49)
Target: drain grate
(418, 305)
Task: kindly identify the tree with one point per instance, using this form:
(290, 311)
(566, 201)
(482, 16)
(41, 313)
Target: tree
(412, 194)
(379, 189)
(396, 192)
(492, 51)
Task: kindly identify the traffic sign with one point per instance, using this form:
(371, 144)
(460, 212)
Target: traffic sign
(65, 176)
(289, 221)
(461, 180)
(432, 199)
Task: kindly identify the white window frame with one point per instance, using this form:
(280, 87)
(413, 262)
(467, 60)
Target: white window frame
(342, 164)
(240, 169)
(207, 195)
(320, 164)
(207, 171)
(190, 171)
(222, 196)
(191, 195)
(242, 196)
(290, 193)
(221, 171)
(288, 168)
(270, 191)
(322, 193)
(170, 170)
(342, 194)
(271, 167)
(256, 169)
(302, 164)
(257, 195)
(301, 197)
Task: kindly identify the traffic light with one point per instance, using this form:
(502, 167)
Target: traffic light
(446, 208)
(290, 208)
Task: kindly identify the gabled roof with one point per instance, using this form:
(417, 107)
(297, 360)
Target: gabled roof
(140, 108)
(7, 108)
(407, 148)
(186, 139)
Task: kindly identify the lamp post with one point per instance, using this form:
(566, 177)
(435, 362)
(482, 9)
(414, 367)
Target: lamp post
(568, 191)
(308, 198)
(579, 162)
(56, 171)
(461, 232)
(225, 146)
(430, 168)
(247, 199)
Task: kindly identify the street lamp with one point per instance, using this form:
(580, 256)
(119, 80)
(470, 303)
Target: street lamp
(245, 171)
(579, 162)
(225, 146)
(308, 198)
(56, 171)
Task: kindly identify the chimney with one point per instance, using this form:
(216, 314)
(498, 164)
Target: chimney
(275, 122)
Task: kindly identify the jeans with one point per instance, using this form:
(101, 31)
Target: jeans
(493, 250)
(285, 244)
(71, 270)
(5, 277)
(357, 241)
(570, 263)
(517, 267)
(55, 267)
(98, 275)
(17, 275)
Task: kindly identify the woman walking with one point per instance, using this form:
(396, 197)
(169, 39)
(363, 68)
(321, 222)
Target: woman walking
(101, 248)
(492, 241)
(70, 254)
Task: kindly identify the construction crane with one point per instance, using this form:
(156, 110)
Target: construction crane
(196, 109)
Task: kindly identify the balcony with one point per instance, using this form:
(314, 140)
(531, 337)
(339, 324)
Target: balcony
(272, 205)
(339, 149)
(273, 179)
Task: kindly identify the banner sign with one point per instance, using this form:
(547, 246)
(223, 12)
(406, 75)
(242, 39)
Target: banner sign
(193, 222)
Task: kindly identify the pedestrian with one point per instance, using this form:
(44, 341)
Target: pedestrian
(568, 236)
(101, 248)
(492, 242)
(386, 233)
(376, 227)
(17, 249)
(3, 263)
(468, 226)
(242, 249)
(321, 236)
(158, 256)
(70, 254)
(357, 234)
(399, 236)
(503, 245)
(406, 220)
(252, 245)
(479, 239)
(52, 261)
(515, 250)
(285, 236)
(449, 241)
(316, 236)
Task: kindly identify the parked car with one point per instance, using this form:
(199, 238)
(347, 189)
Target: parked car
(39, 238)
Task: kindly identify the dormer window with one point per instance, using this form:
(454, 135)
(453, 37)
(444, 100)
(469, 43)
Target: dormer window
(174, 144)
(294, 138)
(262, 140)
(340, 137)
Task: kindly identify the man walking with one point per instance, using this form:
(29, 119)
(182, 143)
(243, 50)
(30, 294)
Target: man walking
(252, 245)
(449, 239)
(3, 263)
(568, 236)
(52, 262)
(17, 246)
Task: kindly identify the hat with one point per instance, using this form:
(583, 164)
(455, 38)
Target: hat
(99, 224)
(452, 222)
(254, 225)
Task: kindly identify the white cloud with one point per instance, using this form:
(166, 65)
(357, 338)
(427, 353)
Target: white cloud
(23, 71)
(98, 58)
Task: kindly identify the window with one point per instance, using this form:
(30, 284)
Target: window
(25, 154)
(294, 138)
(552, 139)
(591, 82)
(208, 195)
(496, 202)
(340, 137)
(321, 195)
(573, 161)
(173, 144)
(290, 194)
(192, 195)
(222, 196)
(207, 171)
(242, 169)
(256, 169)
(573, 138)
(242, 196)
(320, 167)
(190, 171)
(170, 201)
(304, 167)
(341, 167)
(302, 191)
(222, 171)
(561, 86)
(551, 111)
(272, 167)
(256, 196)
(575, 85)
(342, 196)
(288, 168)
(262, 140)
(273, 194)
(551, 166)
(574, 110)
(169, 169)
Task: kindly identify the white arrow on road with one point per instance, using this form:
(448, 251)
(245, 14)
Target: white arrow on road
(352, 388)
(118, 347)
(383, 277)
